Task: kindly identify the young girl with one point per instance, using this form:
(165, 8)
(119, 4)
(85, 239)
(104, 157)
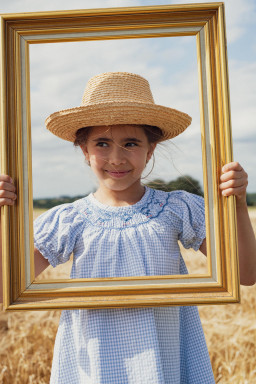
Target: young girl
(127, 229)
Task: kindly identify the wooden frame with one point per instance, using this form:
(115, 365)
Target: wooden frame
(18, 31)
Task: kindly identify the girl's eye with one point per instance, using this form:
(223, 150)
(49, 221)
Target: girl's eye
(131, 144)
(102, 144)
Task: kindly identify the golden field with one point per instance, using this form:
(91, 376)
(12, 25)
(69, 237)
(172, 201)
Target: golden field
(27, 338)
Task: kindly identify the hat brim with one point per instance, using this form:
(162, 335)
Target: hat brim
(64, 124)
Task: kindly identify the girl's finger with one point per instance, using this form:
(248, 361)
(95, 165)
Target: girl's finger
(7, 186)
(6, 178)
(6, 201)
(233, 175)
(234, 183)
(233, 166)
(239, 192)
(7, 194)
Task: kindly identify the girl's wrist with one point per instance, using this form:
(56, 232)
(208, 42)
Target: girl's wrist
(241, 204)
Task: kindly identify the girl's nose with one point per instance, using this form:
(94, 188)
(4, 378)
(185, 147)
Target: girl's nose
(117, 155)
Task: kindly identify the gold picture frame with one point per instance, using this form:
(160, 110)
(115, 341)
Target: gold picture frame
(18, 31)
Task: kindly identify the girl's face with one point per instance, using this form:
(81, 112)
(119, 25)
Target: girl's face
(118, 155)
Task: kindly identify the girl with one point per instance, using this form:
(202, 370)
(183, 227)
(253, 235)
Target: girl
(127, 229)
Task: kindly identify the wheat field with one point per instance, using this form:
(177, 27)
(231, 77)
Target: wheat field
(27, 338)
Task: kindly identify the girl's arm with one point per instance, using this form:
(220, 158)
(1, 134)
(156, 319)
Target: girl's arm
(41, 263)
(234, 181)
(8, 197)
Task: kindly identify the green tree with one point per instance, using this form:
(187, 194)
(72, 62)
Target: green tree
(251, 199)
(185, 183)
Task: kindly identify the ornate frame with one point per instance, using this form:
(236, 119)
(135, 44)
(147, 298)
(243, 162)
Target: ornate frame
(18, 31)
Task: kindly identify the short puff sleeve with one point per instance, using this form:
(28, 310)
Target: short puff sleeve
(189, 209)
(56, 232)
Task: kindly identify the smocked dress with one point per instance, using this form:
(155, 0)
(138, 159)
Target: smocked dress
(164, 345)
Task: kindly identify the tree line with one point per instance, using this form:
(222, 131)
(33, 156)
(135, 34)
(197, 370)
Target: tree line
(185, 183)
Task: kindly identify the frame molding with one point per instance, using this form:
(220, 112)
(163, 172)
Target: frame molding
(18, 31)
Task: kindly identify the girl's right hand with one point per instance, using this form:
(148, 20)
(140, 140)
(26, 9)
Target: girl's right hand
(7, 191)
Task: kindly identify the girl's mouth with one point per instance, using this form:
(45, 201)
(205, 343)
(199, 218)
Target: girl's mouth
(117, 174)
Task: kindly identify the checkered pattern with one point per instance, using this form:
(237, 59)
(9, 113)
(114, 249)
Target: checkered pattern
(127, 346)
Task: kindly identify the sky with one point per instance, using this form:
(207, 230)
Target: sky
(60, 71)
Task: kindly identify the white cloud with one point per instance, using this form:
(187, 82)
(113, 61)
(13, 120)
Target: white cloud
(243, 97)
(22, 6)
(239, 15)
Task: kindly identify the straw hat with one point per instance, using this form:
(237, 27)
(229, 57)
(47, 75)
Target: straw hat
(117, 98)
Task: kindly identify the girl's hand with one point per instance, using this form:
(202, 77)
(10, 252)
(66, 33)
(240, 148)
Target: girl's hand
(234, 181)
(7, 191)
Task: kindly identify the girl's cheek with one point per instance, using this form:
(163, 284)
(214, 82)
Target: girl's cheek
(101, 153)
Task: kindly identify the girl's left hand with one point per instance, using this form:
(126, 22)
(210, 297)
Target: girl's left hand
(234, 181)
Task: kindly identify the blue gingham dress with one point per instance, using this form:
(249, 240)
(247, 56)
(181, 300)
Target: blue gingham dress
(164, 345)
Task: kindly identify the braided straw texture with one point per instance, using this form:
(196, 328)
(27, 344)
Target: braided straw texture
(115, 98)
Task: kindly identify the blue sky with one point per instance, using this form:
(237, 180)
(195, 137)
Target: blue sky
(59, 73)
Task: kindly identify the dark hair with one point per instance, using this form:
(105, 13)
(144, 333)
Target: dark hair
(82, 136)
(154, 134)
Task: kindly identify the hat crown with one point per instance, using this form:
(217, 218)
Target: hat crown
(116, 87)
